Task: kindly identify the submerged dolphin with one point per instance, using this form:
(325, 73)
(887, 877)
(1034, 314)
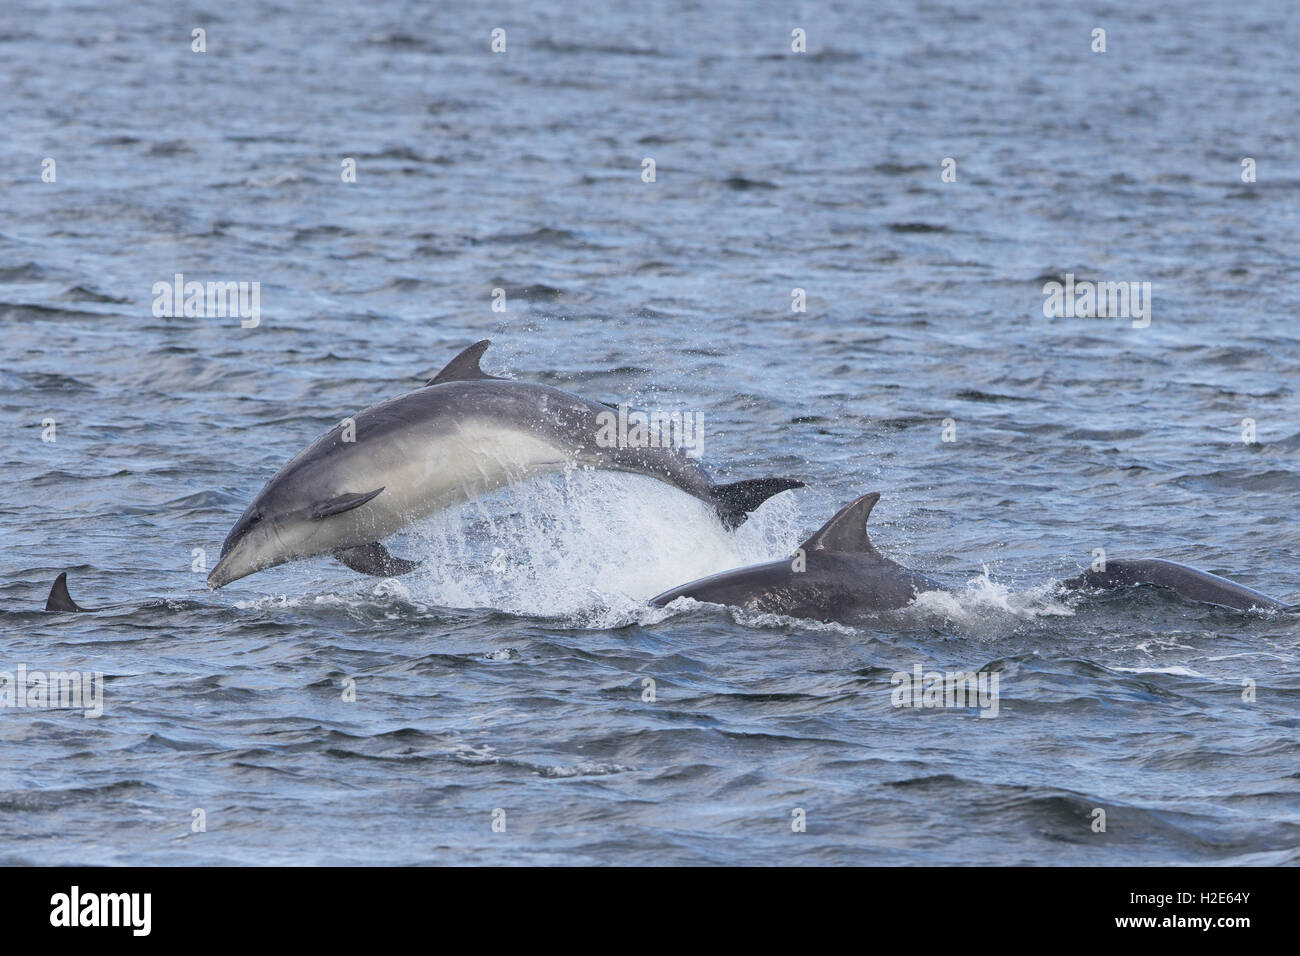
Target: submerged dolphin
(838, 575)
(463, 434)
(1189, 582)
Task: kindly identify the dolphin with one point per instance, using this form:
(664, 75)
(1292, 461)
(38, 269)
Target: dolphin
(1188, 582)
(838, 575)
(462, 435)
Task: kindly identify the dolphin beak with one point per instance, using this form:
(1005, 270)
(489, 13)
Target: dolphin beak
(223, 573)
(246, 553)
(233, 566)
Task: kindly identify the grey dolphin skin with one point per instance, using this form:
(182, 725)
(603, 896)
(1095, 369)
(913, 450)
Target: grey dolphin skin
(1193, 584)
(845, 577)
(60, 599)
(463, 434)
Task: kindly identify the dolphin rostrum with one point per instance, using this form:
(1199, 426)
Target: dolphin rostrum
(463, 434)
(838, 575)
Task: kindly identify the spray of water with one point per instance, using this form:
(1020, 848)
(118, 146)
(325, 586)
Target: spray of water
(984, 606)
(587, 547)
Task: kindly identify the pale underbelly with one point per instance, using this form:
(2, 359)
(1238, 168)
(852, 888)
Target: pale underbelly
(422, 477)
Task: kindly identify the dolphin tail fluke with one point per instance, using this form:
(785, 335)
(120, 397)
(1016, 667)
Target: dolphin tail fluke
(375, 559)
(736, 500)
(60, 599)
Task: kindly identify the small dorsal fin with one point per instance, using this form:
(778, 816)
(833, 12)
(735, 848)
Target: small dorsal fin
(60, 599)
(464, 367)
(847, 531)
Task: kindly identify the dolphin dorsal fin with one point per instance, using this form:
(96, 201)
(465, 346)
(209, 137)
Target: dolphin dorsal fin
(60, 599)
(847, 531)
(464, 367)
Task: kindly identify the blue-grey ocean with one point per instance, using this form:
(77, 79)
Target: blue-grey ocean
(517, 700)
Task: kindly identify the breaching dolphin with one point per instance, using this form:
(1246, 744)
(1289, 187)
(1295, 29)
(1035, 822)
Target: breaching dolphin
(838, 575)
(463, 434)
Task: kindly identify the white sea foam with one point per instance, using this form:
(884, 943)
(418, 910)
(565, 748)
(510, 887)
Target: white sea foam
(984, 599)
(1176, 670)
(587, 547)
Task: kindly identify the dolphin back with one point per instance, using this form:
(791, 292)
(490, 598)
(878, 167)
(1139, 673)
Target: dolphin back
(1187, 582)
(574, 422)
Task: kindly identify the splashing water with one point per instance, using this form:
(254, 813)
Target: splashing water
(984, 606)
(583, 546)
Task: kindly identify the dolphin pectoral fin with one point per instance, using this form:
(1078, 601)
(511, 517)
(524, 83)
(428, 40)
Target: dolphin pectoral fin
(464, 367)
(60, 599)
(736, 500)
(375, 559)
(342, 503)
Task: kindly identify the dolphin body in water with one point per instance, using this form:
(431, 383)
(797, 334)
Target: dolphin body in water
(1189, 582)
(462, 435)
(838, 575)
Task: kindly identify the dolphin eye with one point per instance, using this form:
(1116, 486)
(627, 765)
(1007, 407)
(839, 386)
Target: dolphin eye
(255, 519)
